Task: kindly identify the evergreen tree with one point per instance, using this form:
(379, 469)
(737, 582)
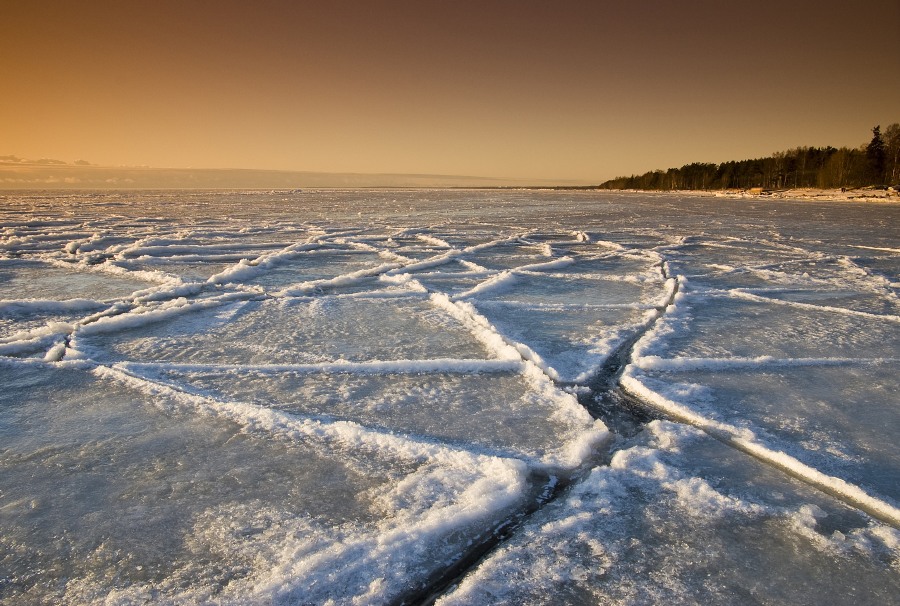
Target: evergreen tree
(892, 148)
(875, 156)
(825, 167)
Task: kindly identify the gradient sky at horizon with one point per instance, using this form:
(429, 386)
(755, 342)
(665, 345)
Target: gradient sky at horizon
(568, 91)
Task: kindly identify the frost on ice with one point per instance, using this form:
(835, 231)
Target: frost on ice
(400, 397)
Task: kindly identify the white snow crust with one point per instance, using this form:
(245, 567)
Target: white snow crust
(349, 396)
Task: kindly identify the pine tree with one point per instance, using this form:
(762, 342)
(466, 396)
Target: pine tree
(892, 162)
(875, 156)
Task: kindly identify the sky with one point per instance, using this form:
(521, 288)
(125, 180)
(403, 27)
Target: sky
(551, 90)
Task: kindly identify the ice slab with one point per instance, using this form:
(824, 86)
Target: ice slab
(416, 254)
(700, 253)
(887, 267)
(802, 276)
(286, 331)
(204, 248)
(508, 256)
(26, 318)
(315, 265)
(464, 237)
(26, 327)
(450, 283)
(366, 286)
(547, 236)
(679, 518)
(838, 419)
(188, 271)
(500, 413)
(840, 297)
(418, 247)
(725, 278)
(113, 493)
(705, 326)
(13, 325)
(536, 289)
(828, 281)
(636, 237)
(822, 275)
(615, 265)
(27, 279)
(449, 266)
(574, 341)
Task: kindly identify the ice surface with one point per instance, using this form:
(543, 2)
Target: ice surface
(695, 255)
(538, 422)
(679, 518)
(732, 326)
(454, 283)
(286, 331)
(109, 493)
(534, 288)
(507, 256)
(316, 265)
(573, 340)
(834, 420)
(187, 271)
(351, 396)
(612, 265)
(26, 279)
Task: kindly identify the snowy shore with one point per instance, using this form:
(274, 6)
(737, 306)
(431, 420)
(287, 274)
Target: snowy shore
(861, 194)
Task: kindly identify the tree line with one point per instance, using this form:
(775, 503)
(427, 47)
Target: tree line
(876, 163)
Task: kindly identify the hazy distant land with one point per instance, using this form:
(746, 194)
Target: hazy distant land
(16, 173)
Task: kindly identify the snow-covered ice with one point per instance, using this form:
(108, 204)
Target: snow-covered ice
(679, 518)
(116, 492)
(376, 396)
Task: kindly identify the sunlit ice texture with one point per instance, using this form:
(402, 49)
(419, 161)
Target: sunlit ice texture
(462, 396)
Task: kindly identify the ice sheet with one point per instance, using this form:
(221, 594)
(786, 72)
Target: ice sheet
(707, 326)
(501, 413)
(285, 331)
(534, 288)
(507, 256)
(355, 395)
(834, 419)
(26, 279)
(573, 340)
(187, 271)
(679, 518)
(316, 265)
(107, 493)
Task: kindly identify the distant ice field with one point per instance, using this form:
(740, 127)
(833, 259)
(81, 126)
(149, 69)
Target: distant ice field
(450, 396)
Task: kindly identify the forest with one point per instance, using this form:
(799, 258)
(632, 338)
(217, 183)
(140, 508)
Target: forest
(874, 164)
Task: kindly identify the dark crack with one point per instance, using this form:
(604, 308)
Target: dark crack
(622, 413)
(546, 489)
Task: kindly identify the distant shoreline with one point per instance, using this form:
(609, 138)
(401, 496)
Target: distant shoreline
(809, 194)
(57, 175)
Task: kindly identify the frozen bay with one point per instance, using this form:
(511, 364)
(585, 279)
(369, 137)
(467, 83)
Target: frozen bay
(376, 396)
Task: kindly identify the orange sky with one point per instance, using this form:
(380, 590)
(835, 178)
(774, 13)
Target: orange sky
(579, 91)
